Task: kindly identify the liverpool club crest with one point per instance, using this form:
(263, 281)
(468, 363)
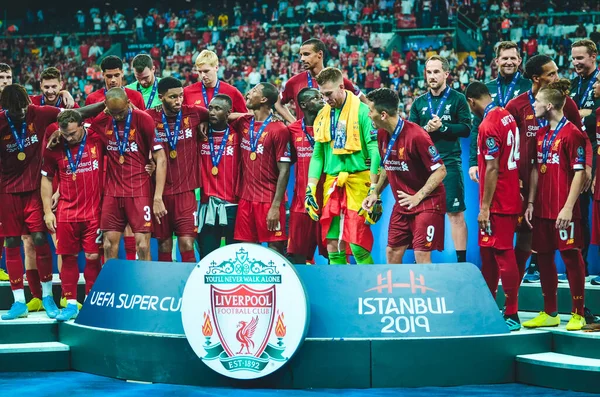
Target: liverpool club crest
(234, 307)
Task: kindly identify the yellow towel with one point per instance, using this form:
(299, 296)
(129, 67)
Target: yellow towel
(349, 114)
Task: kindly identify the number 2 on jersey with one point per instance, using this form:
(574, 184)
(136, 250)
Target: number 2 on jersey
(513, 140)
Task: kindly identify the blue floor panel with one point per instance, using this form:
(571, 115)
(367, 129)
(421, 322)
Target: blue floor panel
(76, 384)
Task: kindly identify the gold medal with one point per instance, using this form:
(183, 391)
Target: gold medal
(599, 151)
(253, 156)
(21, 156)
(121, 159)
(214, 171)
(74, 177)
(543, 168)
(173, 154)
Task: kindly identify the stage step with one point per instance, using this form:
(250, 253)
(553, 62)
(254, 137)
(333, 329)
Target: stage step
(6, 296)
(42, 356)
(559, 371)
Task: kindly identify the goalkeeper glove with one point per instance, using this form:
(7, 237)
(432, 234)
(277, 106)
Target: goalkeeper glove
(310, 202)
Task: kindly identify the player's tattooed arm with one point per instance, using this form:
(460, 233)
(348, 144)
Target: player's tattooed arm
(91, 111)
(434, 180)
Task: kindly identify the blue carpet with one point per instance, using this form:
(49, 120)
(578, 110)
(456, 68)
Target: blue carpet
(41, 384)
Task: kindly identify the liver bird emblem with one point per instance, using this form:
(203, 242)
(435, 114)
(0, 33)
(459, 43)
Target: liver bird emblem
(245, 333)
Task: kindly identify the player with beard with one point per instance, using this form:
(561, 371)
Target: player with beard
(51, 85)
(22, 129)
(220, 166)
(178, 128)
(499, 201)
(146, 81)
(541, 70)
(304, 232)
(202, 92)
(266, 158)
(584, 53)
(553, 210)
(509, 84)
(5, 80)
(346, 156)
(414, 169)
(445, 115)
(312, 57)
(78, 163)
(129, 135)
(112, 72)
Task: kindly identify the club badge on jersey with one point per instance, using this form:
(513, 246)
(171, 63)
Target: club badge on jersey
(255, 137)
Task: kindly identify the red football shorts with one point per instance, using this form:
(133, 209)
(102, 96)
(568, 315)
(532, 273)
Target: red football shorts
(522, 226)
(423, 231)
(117, 212)
(503, 232)
(305, 235)
(72, 237)
(21, 213)
(181, 218)
(251, 223)
(595, 222)
(547, 238)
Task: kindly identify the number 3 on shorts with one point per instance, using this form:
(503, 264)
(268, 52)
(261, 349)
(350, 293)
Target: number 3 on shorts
(147, 215)
(430, 233)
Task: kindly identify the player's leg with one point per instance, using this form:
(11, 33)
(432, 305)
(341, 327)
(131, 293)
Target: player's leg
(489, 269)
(184, 219)
(336, 248)
(130, 244)
(276, 239)
(32, 275)
(142, 245)
(69, 276)
(455, 206)
(59, 257)
(570, 243)
(399, 236)
(545, 243)
(304, 236)
(523, 252)
(163, 231)
(428, 234)
(3, 274)
(209, 239)
(509, 274)
(91, 244)
(394, 255)
(14, 267)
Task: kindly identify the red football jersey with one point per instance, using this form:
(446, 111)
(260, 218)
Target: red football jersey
(192, 96)
(597, 187)
(24, 176)
(304, 151)
(412, 159)
(521, 109)
(498, 138)
(37, 100)
(129, 179)
(183, 171)
(295, 84)
(566, 156)
(259, 177)
(80, 198)
(224, 185)
(134, 96)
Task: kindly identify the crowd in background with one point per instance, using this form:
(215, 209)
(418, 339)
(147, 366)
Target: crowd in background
(253, 46)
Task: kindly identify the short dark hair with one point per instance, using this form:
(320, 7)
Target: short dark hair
(270, 92)
(4, 67)
(317, 45)
(329, 75)
(384, 100)
(50, 74)
(507, 45)
(304, 94)
(535, 64)
(224, 98)
(166, 83)
(477, 90)
(444, 61)
(68, 116)
(141, 62)
(111, 62)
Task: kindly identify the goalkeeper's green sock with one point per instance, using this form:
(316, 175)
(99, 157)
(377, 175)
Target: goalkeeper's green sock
(362, 256)
(337, 258)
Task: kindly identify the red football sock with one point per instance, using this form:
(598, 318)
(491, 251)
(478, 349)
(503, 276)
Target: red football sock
(90, 273)
(14, 266)
(165, 257)
(130, 248)
(188, 256)
(101, 253)
(522, 257)
(576, 267)
(1, 246)
(43, 258)
(33, 279)
(509, 273)
(549, 280)
(69, 276)
(489, 269)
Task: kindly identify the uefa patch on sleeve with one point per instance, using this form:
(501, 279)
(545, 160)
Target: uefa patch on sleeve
(374, 134)
(492, 146)
(433, 152)
(580, 155)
